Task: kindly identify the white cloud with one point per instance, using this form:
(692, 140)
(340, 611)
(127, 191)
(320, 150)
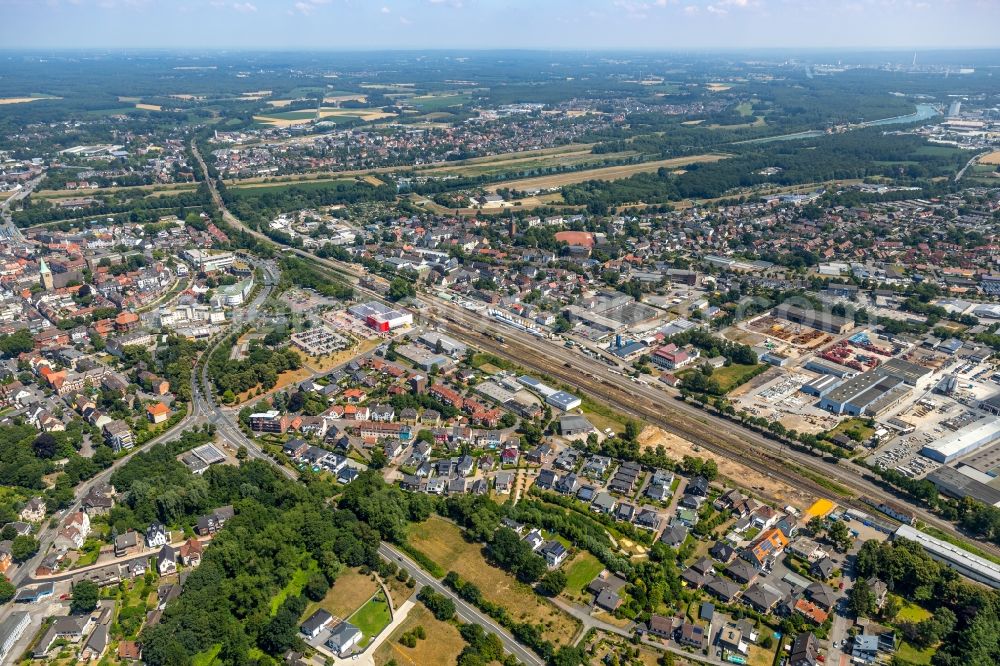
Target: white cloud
(307, 7)
(385, 10)
(245, 7)
(404, 20)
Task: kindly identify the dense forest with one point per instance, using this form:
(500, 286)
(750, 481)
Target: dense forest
(858, 154)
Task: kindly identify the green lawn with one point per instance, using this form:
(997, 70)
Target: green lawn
(912, 613)
(208, 657)
(581, 570)
(911, 655)
(858, 426)
(731, 376)
(294, 586)
(728, 376)
(372, 618)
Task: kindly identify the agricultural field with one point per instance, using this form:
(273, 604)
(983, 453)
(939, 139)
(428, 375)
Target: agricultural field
(605, 173)
(429, 103)
(252, 189)
(442, 646)
(149, 107)
(443, 543)
(570, 159)
(33, 97)
(289, 118)
(991, 158)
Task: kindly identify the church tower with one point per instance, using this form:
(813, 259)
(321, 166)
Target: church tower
(46, 274)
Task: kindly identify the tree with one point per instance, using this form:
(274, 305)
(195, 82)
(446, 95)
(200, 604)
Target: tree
(85, 595)
(401, 288)
(932, 631)
(16, 343)
(6, 590)
(552, 583)
(316, 587)
(861, 599)
(23, 547)
(569, 656)
(441, 606)
(45, 446)
(562, 325)
(839, 535)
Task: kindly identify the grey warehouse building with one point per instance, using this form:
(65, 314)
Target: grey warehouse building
(971, 566)
(875, 391)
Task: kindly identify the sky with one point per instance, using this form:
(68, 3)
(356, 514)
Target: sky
(517, 24)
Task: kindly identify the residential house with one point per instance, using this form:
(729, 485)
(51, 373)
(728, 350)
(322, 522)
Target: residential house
(166, 560)
(343, 639)
(316, 623)
(190, 552)
(554, 553)
(805, 651)
(126, 543)
(156, 535)
(33, 511)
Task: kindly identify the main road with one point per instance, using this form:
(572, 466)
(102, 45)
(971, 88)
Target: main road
(650, 403)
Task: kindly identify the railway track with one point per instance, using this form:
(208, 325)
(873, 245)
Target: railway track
(714, 433)
(647, 410)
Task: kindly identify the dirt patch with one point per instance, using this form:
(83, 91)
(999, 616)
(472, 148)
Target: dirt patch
(741, 475)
